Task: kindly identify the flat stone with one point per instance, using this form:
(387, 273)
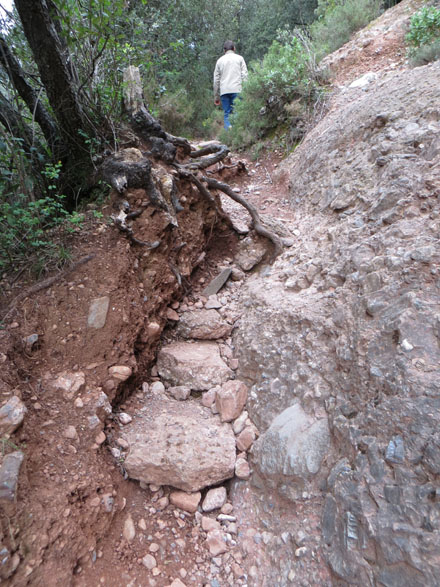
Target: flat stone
(217, 283)
(208, 524)
(203, 325)
(216, 542)
(180, 392)
(98, 312)
(189, 502)
(180, 444)
(231, 399)
(11, 415)
(214, 499)
(172, 315)
(9, 474)
(196, 365)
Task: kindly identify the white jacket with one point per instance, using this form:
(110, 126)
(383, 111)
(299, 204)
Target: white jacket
(229, 74)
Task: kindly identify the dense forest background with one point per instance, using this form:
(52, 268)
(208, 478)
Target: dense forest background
(61, 89)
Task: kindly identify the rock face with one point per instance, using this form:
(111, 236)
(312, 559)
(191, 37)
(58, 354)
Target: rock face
(196, 365)
(179, 444)
(345, 325)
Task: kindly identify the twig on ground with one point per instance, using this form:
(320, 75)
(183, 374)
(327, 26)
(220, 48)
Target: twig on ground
(46, 283)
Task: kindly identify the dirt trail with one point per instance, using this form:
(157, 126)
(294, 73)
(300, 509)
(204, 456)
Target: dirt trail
(72, 489)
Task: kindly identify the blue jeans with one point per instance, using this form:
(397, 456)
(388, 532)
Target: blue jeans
(227, 105)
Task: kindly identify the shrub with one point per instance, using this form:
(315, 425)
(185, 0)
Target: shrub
(285, 75)
(338, 20)
(175, 111)
(424, 36)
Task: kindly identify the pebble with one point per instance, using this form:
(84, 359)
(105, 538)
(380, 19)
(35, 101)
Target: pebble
(215, 499)
(157, 387)
(186, 501)
(154, 547)
(100, 438)
(142, 524)
(122, 443)
(120, 372)
(124, 418)
(129, 531)
(70, 432)
(149, 562)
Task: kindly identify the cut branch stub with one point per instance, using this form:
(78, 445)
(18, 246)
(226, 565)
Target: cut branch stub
(143, 123)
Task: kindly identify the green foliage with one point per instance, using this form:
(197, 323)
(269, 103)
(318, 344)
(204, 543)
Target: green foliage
(425, 53)
(27, 225)
(285, 75)
(337, 20)
(424, 27)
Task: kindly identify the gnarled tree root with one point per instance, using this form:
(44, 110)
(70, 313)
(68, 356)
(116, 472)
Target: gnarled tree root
(258, 227)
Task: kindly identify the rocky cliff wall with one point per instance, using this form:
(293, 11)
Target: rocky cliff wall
(345, 327)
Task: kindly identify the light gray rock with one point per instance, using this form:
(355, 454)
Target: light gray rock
(180, 392)
(196, 365)
(9, 474)
(179, 444)
(214, 499)
(203, 325)
(292, 449)
(70, 383)
(11, 415)
(250, 252)
(217, 283)
(98, 312)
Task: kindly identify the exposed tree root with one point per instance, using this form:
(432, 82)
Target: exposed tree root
(259, 228)
(220, 152)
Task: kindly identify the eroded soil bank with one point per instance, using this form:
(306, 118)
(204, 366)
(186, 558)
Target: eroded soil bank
(98, 330)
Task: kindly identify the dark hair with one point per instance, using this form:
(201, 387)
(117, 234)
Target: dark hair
(228, 46)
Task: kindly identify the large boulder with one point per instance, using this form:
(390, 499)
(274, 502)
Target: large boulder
(196, 365)
(179, 444)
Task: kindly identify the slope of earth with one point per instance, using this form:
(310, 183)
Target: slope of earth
(74, 353)
(340, 342)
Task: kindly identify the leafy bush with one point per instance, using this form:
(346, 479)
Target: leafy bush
(425, 54)
(286, 74)
(338, 20)
(175, 111)
(424, 36)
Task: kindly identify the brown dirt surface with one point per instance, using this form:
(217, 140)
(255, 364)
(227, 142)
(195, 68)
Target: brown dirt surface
(73, 498)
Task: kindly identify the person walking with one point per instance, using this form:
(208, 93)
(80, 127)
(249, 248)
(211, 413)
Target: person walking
(229, 74)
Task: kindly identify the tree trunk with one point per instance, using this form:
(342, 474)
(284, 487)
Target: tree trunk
(56, 75)
(28, 94)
